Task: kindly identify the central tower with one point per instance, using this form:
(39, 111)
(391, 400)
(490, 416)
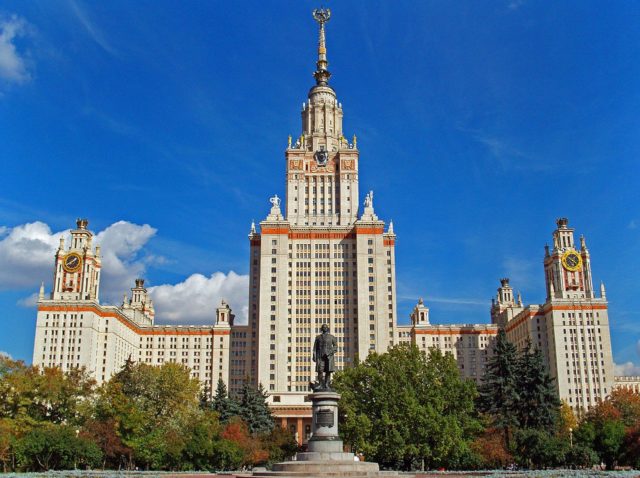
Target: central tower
(322, 261)
(322, 167)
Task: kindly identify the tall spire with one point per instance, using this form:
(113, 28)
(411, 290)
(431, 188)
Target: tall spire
(321, 74)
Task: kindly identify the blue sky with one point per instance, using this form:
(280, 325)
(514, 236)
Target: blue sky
(165, 123)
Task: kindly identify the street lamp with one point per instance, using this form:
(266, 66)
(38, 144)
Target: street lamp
(571, 437)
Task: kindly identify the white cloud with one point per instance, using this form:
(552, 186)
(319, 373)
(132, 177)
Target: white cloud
(462, 301)
(628, 368)
(13, 67)
(121, 244)
(632, 224)
(27, 254)
(5, 354)
(459, 301)
(195, 299)
(29, 301)
(92, 30)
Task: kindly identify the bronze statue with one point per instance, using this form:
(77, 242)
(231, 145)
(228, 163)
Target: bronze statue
(324, 349)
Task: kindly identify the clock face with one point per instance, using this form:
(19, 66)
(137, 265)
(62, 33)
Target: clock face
(72, 262)
(322, 157)
(572, 261)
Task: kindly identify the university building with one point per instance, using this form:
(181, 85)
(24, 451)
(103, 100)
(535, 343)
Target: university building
(320, 258)
(74, 330)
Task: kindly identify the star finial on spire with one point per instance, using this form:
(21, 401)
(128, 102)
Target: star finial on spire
(321, 74)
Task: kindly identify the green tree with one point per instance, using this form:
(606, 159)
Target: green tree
(280, 443)
(56, 447)
(580, 456)
(406, 409)
(32, 401)
(567, 421)
(152, 407)
(537, 403)
(31, 395)
(7, 439)
(608, 442)
(200, 448)
(226, 406)
(603, 428)
(537, 448)
(499, 391)
(254, 410)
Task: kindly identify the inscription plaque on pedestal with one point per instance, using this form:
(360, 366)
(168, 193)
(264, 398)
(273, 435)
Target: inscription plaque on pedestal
(324, 418)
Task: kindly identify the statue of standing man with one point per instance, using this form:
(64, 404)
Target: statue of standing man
(324, 349)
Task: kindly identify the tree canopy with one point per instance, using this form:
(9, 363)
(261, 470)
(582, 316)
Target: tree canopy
(144, 417)
(405, 409)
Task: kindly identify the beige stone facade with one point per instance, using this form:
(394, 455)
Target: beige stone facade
(630, 383)
(571, 328)
(74, 330)
(323, 260)
(470, 344)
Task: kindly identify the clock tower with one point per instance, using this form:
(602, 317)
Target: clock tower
(77, 267)
(567, 268)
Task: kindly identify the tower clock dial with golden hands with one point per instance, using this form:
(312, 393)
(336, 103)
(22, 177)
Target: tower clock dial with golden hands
(572, 261)
(72, 262)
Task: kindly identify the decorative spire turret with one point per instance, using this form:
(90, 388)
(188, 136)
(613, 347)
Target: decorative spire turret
(321, 74)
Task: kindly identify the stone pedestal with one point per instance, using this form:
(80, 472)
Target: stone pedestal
(324, 444)
(325, 456)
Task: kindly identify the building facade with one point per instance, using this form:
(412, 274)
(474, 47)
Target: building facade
(631, 383)
(470, 344)
(74, 330)
(571, 328)
(320, 258)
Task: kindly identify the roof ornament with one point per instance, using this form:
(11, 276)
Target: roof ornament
(321, 74)
(583, 243)
(368, 199)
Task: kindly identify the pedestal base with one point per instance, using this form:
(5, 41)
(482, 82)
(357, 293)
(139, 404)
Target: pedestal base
(326, 468)
(325, 457)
